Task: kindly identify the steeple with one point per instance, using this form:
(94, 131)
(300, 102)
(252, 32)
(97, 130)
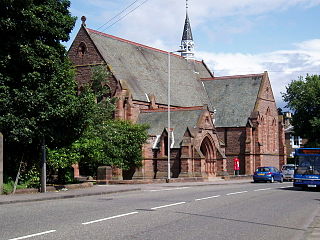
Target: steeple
(187, 43)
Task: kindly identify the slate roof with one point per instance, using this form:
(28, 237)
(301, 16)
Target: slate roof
(233, 97)
(180, 121)
(145, 70)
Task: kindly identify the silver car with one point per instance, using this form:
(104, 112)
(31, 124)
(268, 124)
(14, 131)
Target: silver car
(288, 172)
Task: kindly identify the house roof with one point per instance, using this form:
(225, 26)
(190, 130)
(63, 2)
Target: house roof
(289, 129)
(233, 97)
(180, 121)
(145, 71)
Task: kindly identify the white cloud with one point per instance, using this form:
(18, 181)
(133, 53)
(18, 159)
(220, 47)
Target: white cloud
(282, 66)
(158, 23)
(162, 19)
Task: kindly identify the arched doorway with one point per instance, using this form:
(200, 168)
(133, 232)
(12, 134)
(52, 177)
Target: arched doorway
(207, 149)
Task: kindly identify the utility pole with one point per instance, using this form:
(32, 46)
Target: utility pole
(43, 167)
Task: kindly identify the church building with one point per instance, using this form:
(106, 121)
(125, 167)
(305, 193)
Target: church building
(198, 122)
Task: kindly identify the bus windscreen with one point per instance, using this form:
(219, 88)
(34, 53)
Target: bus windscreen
(307, 161)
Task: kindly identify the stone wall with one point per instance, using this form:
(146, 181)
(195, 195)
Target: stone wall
(84, 61)
(234, 139)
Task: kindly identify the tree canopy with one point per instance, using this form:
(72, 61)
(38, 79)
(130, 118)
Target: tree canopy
(38, 93)
(105, 141)
(303, 98)
(39, 96)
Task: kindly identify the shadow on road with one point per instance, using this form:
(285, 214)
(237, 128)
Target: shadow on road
(298, 189)
(243, 221)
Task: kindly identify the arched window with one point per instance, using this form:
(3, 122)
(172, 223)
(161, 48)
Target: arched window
(263, 133)
(274, 134)
(165, 145)
(82, 49)
(268, 130)
(267, 92)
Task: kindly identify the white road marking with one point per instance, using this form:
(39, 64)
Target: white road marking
(166, 189)
(108, 218)
(169, 205)
(261, 189)
(33, 235)
(236, 193)
(199, 199)
(285, 187)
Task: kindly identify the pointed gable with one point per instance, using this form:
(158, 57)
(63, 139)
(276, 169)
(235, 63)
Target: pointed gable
(181, 120)
(233, 97)
(145, 71)
(83, 50)
(266, 92)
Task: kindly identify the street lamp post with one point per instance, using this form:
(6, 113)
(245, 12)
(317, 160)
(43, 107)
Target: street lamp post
(169, 117)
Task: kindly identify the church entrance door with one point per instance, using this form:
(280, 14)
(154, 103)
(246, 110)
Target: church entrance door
(207, 149)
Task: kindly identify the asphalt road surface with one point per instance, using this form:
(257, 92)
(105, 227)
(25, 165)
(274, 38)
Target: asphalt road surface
(235, 211)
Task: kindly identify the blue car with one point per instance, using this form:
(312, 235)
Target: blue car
(267, 174)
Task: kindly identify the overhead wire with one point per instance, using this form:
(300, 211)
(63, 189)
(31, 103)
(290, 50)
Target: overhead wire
(145, 1)
(118, 14)
(125, 15)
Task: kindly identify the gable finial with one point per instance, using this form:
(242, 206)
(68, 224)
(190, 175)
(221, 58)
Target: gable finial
(83, 19)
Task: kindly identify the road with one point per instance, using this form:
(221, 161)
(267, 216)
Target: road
(234, 211)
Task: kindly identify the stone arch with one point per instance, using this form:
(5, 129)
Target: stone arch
(82, 49)
(207, 148)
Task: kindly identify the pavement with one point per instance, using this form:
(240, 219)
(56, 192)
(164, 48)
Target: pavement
(312, 233)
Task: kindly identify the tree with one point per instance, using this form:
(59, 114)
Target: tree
(118, 144)
(38, 93)
(303, 98)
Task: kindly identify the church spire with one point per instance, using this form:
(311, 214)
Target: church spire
(187, 43)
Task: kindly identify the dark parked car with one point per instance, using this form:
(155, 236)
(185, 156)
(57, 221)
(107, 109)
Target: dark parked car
(266, 174)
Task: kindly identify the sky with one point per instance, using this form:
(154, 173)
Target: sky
(233, 37)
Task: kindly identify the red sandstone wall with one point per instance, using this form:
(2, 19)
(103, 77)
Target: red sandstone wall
(269, 126)
(234, 139)
(84, 62)
(265, 137)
